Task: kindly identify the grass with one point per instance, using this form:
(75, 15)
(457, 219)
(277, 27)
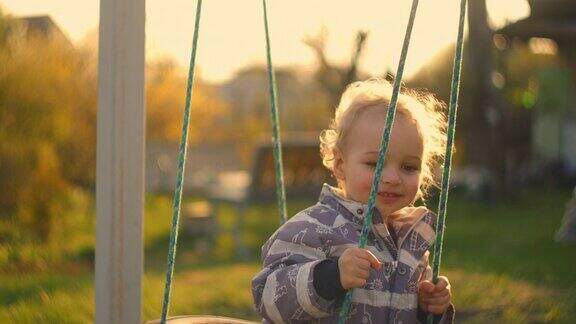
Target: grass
(501, 260)
(504, 261)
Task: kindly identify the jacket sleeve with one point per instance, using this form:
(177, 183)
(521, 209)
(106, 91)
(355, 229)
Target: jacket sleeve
(283, 290)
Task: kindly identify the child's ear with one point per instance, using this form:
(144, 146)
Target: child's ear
(338, 168)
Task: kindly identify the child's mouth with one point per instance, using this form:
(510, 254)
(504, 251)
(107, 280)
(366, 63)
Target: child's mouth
(389, 197)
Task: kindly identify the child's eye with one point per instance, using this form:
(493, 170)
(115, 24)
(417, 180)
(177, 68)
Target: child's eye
(409, 168)
(371, 164)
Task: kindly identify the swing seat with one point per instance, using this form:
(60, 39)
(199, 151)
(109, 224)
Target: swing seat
(202, 319)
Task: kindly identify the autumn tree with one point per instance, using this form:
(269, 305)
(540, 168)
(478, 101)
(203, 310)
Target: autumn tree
(334, 79)
(5, 21)
(42, 93)
(165, 99)
(501, 94)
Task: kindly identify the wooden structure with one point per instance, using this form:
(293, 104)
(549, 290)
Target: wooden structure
(120, 162)
(120, 167)
(556, 20)
(203, 163)
(304, 176)
(549, 18)
(42, 26)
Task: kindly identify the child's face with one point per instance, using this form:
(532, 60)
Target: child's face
(354, 165)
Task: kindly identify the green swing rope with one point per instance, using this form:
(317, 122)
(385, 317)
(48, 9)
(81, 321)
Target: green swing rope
(382, 153)
(455, 86)
(278, 153)
(452, 110)
(183, 150)
(180, 176)
(280, 191)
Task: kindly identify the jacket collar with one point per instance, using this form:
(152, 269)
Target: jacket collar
(352, 210)
(402, 221)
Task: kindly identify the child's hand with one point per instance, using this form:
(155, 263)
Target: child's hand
(432, 298)
(354, 265)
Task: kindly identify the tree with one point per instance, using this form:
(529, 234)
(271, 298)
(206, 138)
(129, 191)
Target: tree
(40, 96)
(498, 125)
(481, 114)
(5, 23)
(334, 79)
(165, 98)
(483, 122)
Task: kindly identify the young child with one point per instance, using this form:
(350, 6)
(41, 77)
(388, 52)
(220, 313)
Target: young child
(311, 261)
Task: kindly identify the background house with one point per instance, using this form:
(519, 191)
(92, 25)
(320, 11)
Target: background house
(551, 30)
(42, 25)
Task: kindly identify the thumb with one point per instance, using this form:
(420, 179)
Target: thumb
(374, 262)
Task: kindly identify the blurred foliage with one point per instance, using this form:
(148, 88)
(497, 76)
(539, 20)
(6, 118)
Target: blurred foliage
(165, 100)
(5, 21)
(48, 112)
(532, 80)
(45, 101)
(525, 84)
(303, 105)
(516, 72)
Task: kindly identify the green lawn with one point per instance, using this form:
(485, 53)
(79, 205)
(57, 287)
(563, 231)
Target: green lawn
(502, 261)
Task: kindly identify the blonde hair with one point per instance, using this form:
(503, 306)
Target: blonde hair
(423, 108)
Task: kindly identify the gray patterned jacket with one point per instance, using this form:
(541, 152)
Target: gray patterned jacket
(283, 290)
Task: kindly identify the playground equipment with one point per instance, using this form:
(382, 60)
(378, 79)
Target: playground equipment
(123, 129)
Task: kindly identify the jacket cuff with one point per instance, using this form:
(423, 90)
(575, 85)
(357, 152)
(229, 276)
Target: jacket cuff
(449, 315)
(327, 280)
(446, 318)
(308, 298)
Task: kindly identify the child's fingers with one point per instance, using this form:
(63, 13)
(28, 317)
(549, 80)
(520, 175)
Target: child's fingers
(426, 286)
(363, 274)
(426, 296)
(435, 297)
(358, 283)
(437, 309)
(435, 300)
(442, 293)
(362, 263)
(441, 284)
(360, 258)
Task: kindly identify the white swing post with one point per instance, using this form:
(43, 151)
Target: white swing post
(120, 162)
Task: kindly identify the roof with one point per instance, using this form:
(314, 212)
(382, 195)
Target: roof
(530, 27)
(553, 9)
(42, 25)
(554, 19)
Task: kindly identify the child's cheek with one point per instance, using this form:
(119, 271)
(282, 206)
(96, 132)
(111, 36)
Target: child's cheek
(367, 174)
(366, 179)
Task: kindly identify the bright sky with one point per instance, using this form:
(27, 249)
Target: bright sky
(232, 32)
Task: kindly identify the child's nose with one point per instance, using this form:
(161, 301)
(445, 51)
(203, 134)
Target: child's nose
(390, 176)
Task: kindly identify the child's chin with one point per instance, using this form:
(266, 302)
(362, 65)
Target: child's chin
(386, 210)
